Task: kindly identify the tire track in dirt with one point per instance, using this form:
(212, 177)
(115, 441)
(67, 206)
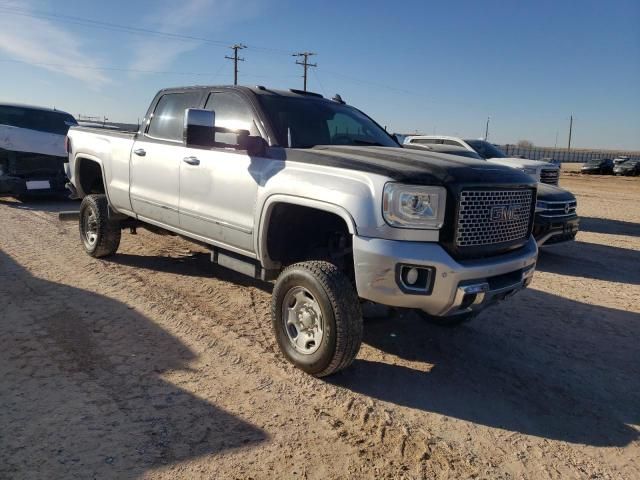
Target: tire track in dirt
(244, 347)
(225, 319)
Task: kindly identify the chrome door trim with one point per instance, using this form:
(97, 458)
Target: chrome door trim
(217, 221)
(200, 238)
(153, 204)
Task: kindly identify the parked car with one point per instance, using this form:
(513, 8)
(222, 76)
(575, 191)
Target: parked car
(601, 166)
(311, 192)
(448, 149)
(556, 219)
(541, 171)
(32, 153)
(628, 167)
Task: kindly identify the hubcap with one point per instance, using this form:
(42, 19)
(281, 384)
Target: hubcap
(90, 227)
(302, 319)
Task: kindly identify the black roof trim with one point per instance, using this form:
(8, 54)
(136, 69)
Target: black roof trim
(305, 92)
(33, 107)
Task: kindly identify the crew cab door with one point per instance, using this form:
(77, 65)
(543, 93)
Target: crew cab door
(156, 156)
(218, 186)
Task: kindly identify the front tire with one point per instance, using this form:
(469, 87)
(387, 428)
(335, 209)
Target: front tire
(316, 317)
(100, 236)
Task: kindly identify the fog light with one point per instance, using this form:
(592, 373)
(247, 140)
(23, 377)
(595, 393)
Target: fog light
(413, 279)
(412, 276)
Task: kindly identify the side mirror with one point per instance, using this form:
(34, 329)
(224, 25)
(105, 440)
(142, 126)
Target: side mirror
(199, 128)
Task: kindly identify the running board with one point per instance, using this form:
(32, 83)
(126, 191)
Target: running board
(241, 264)
(69, 216)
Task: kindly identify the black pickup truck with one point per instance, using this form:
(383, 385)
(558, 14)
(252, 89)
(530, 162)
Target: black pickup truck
(32, 152)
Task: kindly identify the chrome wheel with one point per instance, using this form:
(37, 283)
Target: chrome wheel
(303, 320)
(90, 224)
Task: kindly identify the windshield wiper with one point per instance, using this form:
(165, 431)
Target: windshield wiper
(366, 142)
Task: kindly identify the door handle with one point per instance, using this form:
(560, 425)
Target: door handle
(191, 160)
(140, 152)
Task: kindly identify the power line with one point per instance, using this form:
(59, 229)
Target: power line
(90, 23)
(305, 64)
(236, 59)
(118, 69)
(87, 22)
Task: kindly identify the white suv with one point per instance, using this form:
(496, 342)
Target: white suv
(543, 172)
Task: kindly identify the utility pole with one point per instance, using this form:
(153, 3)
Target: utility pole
(236, 59)
(555, 145)
(570, 131)
(305, 63)
(486, 130)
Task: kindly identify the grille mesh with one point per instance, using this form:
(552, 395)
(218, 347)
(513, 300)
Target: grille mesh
(549, 176)
(484, 216)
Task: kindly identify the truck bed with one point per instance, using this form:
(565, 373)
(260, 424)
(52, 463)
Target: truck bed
(106, 131)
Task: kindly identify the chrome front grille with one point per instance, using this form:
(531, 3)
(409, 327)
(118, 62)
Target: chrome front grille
(557, 209)
(489, 217)
(549, 176)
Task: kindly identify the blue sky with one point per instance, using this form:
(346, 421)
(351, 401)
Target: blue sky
(413, 65)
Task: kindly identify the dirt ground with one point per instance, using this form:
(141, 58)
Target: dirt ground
(154, 364)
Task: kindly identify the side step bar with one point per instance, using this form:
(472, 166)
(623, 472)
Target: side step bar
(69, 216)
(241, 264)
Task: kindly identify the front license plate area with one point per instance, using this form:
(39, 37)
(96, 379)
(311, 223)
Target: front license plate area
(38, 184)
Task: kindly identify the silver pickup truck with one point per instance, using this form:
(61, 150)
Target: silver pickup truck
(312, 193)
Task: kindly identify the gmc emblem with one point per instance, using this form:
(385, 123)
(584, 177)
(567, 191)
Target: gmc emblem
(505, 213)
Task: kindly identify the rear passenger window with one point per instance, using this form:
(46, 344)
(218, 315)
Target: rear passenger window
(452, 142)
(424, 141)
(167, 122)
(231, 112)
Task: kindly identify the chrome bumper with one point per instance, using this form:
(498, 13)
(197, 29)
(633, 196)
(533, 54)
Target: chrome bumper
(457, 287)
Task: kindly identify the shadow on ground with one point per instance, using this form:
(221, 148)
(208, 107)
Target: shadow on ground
(195, 264)
(613, 227)
(82, 391)
(591, 260)
(51, 204)
(514, 368)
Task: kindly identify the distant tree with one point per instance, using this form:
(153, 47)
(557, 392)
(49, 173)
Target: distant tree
(525, 143)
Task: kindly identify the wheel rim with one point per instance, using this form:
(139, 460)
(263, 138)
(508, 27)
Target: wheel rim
(90, 227)
(302, 320)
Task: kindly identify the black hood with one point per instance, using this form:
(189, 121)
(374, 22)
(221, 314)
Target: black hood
(550, 193)
(410, 166)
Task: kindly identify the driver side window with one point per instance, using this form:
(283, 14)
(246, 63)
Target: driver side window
(231, 112)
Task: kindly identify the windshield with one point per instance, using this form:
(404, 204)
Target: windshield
(34, 119)
(307, 122)
(485, 149)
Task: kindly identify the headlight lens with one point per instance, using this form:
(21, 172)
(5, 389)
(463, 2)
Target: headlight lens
(530, 170)
(413, 206)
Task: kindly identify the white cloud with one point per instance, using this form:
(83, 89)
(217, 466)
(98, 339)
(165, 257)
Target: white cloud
(158, 53)
(41, 43)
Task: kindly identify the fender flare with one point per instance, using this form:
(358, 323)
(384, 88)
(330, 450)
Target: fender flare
(260, 241)
(76, 172)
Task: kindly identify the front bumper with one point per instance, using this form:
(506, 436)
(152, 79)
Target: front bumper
(548, 230)
(457, 286)
(16, 186)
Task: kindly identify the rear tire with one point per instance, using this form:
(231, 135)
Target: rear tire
(450, 322)
(100, 236)
(316, 317)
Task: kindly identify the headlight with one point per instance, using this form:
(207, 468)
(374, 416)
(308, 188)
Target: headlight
(530, 171)
(413, 206)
